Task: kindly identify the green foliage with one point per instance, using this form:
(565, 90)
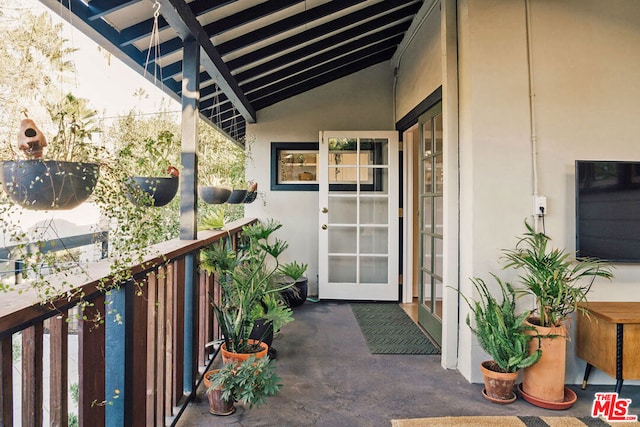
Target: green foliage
(246, 278)
(293, 269)
(249, 382)
(215, 219)
(500, 331)
(553, 276)
(75, 121)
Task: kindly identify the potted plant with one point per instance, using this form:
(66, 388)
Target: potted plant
(246, 279)
(559, 283)
(155, 179)
(61, 173)
(249, 383)
(216, 193)
(502, 334)
(294, 272)
(239, 192)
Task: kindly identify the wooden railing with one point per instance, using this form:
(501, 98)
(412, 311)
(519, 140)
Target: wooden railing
(140, 366)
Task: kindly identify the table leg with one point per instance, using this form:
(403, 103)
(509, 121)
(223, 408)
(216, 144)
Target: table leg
(587, 371)
(619, 348)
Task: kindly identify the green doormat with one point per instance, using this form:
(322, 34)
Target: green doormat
(387, 329)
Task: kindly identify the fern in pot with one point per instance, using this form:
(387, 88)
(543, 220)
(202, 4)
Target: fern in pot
(501, 332)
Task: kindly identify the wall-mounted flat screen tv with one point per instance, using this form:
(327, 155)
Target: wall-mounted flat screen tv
(608, 210)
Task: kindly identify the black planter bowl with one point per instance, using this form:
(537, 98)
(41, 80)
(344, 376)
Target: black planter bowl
(237, 196)
(214, 195)
(160, 190)
(49, 184)
(297, 294)
(250, 197)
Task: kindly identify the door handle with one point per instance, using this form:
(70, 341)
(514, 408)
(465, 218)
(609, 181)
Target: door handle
(325, 210)
(324, 226)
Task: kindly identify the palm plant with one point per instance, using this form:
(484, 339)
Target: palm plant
(500, 331)
(553, 276)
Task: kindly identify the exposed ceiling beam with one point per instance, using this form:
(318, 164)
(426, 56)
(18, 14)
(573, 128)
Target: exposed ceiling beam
(184, 22)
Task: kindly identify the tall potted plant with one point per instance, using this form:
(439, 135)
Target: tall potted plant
(559, 283)
(501, 332)
(246, 279)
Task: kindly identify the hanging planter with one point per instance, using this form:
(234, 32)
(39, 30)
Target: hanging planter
(49, 184)
(237, 196)
(153, 191)
(214, 195)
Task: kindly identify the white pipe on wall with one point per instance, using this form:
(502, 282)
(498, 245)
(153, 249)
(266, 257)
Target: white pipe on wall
(532, 115)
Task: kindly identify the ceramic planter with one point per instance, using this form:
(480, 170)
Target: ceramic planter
(544, 380)
(498, 386)
(217, 406)
(161, 190)
(49, 184)
(229, 357)
(237, 196)
(214, 195)
(250, 197)
(297, 294)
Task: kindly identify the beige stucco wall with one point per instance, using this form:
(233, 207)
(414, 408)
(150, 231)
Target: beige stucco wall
(585, 91)
(358, 102)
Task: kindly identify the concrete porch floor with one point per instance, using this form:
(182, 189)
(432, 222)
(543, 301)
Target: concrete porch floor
(330, 379)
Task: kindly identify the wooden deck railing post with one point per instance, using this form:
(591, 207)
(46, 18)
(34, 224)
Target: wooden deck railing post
(91, 365)
(116, 337)
(59, 368)
(6, 381)
(32, 375)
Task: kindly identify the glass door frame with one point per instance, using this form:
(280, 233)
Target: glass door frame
(427, 316)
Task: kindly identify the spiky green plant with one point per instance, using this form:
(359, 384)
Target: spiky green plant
(500, 331)
(554, 277)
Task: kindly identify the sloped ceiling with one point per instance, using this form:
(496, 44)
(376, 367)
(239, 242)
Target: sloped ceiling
(253, 53)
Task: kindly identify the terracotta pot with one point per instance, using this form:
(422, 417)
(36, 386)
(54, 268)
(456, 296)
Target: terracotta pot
(498, 386)
(217, 406)
(229, 357)
(545, 379)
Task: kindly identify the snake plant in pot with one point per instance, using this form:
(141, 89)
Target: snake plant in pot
(559, 283)
(501, 332)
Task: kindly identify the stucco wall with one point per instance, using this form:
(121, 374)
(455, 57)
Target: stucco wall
(357, 102)
(585, 91)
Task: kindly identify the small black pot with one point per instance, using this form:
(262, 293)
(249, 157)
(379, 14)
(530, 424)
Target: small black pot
(214, 195)
(250, 197)
(49, 184)
(297, 294)
(262, 330)
(161, 190)
(237, 196)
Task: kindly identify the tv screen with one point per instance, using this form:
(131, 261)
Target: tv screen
(608, 210)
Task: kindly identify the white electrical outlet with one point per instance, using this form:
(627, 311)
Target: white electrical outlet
(540, 205)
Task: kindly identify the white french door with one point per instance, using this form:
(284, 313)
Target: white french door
(358, 227)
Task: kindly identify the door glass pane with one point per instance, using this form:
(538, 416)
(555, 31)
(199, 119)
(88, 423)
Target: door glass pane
(341, 210)
(426, 132)
(374, 210)
(426, 252)
(426, 290)
(438, 177)
(428, 178)
(342, 269)
(427, 214)
(376, 151)
(373, 269)
(438, 214)
(438, 264)
(438, 133)
(437, 291)
(342, 240)
(374, 240)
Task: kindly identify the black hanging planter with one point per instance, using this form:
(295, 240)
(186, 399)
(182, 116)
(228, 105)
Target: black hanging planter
(161, 190)
(237, 196)
(49, 184)
(250, 197)
(214, 195)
